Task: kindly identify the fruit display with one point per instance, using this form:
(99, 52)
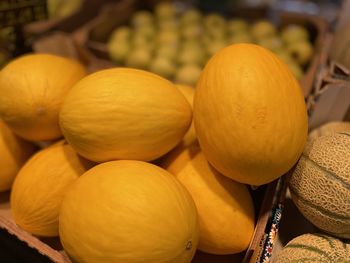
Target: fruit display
(242, 131)
(137, 115)
(320, 183)
(40, 186)
(62, 8)
(176, 44)
(315, 247)
(14, 152)
(35, 86)
(225, 207)
(129, 211)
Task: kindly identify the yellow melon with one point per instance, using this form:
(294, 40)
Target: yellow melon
(249, 114)
(318, 248)
(330, 127)
(190, 136)
(225, 207)
(40, 186)
(32, 90)
(128, 212)
(320, 184)
(124, 114)
(13, 153)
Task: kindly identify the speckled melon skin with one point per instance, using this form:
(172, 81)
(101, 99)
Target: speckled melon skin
(314, 248)
(330, 127)
(320, 184)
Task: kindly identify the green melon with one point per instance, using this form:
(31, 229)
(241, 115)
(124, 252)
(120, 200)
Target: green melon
(314, 248)
(320, 184)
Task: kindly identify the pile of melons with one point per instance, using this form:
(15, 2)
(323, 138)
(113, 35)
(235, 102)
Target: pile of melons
(97, 186)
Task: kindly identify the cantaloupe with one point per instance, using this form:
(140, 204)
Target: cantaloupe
(249, 114)
(225, 207)
(14, 151)
(314, 248)
(190, 136)
(128, 212)
(320, 184)
(124, 114)
(40, 186)
(330, 127)
(32, 89)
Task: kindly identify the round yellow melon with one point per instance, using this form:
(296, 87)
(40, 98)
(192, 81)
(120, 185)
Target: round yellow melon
(190, 136)
(225, 207)
(317, 248)
(13, 153)
(128, 212)
(320, 184)
(330, 127)
(249, 114)
(124, 114)
(32, 89)
(40, 186)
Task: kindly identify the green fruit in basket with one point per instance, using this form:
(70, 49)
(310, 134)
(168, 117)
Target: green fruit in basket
(147, 31)
(217, 33)
(188, 74)
(284, 55)
(301, 51)
(214, 21)
(118, 51)
(167, 52)
(163, 67)
(122, 33)
(142, 18)
(191, 56)
(139, 58)
(273, 43)
(262, 29)
(165, 10)
(237, 26)
(167, 38)
(191, 31)
(240, 38)
(296, 70)
(294, 33)
(215, 47)
(192, 16)
(191, 44)
(168, 25)
(139, 40)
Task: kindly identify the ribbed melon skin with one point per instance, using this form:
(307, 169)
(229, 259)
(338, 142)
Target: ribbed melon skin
(312, 248)
(320, 184)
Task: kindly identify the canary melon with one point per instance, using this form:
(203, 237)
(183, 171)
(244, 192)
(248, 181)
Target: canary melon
(124, 114)
(40, 186)
(32, 89)
(225, 207)
(13, 154)
(317, 248)
(330, 127)
(320, 184)
(249, 114)
(128, 212)
(190, 136)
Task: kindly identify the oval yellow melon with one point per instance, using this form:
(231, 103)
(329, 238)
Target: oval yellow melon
(318, 248)
(190, 136)
(320, 184)
(330, 127)
(13, 153)
(124, 114)
(32, 90)
(249, 114)
(40, 186)
(225, 207)
(128, 212)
